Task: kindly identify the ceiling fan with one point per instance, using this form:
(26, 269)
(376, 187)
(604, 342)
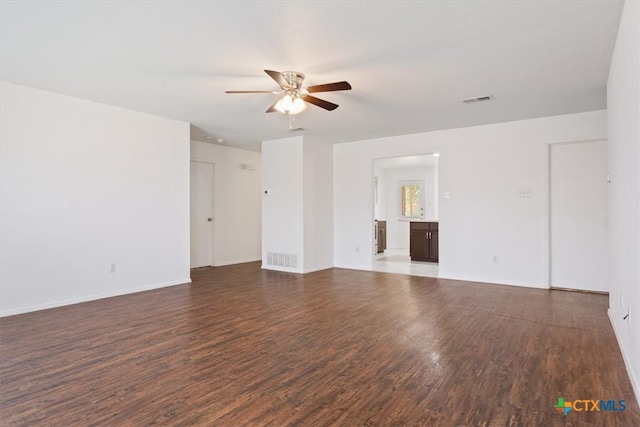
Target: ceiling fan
(296, 97)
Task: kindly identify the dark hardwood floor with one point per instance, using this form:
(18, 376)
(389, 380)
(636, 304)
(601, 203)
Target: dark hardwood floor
(241, 346)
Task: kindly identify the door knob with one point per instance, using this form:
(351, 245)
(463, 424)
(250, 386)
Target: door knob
(209, 219)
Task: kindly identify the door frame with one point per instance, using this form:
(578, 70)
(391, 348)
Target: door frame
(374, 188)
(213, 211)
(547, 175)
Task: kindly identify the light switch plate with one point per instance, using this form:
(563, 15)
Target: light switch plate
(524, 193)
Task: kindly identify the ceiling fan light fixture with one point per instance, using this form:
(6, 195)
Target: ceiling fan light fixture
(298, 106)
(296, 98)
(291, 104)
(284, 104)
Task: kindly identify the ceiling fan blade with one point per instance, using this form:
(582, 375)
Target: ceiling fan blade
(278, 77)
(249, 91)
(320, 103)
(330, 87)
(272, 109)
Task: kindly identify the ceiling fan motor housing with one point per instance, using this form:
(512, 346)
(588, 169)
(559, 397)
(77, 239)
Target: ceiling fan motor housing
(294, 79)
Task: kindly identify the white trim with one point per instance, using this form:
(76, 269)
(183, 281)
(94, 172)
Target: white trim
(237, 261)
(213, 212)
(400, 218)
(311, 270)
(290, 270)
(372, 220)
(491, 282)
(280, 268)
(547, 223)
(547, 199)
(634, 383)
(358, 269)
(38, 307)
(577, 140)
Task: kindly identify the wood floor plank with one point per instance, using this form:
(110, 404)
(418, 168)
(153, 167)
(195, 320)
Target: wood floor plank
(241, 346)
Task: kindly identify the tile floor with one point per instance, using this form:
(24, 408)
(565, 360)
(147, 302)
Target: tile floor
(398, 261)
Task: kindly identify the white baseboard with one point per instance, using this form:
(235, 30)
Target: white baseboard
(61, 303)
(632, 378)
(236, 261)
(493, 282)
(311, 270)
(291, 270)
(277, 268)
(357, 268)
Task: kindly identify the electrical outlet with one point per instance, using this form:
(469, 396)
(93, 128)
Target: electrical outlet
(357, 248)
(112, 267)
(495, 258)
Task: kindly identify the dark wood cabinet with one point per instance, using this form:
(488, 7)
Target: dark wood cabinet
(433, 244)
(423, 241)
(382, 236)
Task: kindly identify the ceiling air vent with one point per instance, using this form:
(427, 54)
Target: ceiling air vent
(478, 99)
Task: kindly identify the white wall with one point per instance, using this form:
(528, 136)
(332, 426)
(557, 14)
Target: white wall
(623, 108)
(282, 208)
(318, 205)
(85, 185)
(237, 228)
(482, 167)
(297, 215)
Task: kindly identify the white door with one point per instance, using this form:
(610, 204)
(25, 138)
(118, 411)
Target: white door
(579, 216)
(201, 214)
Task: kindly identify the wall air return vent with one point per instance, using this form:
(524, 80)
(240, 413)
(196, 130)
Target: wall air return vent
(478, 99)
(282, 260)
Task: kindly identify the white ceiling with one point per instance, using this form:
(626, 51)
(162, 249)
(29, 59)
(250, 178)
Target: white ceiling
(410, 63)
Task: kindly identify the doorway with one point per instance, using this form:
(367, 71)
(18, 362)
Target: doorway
(202, 219)
(405, 190)
(578, 216)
